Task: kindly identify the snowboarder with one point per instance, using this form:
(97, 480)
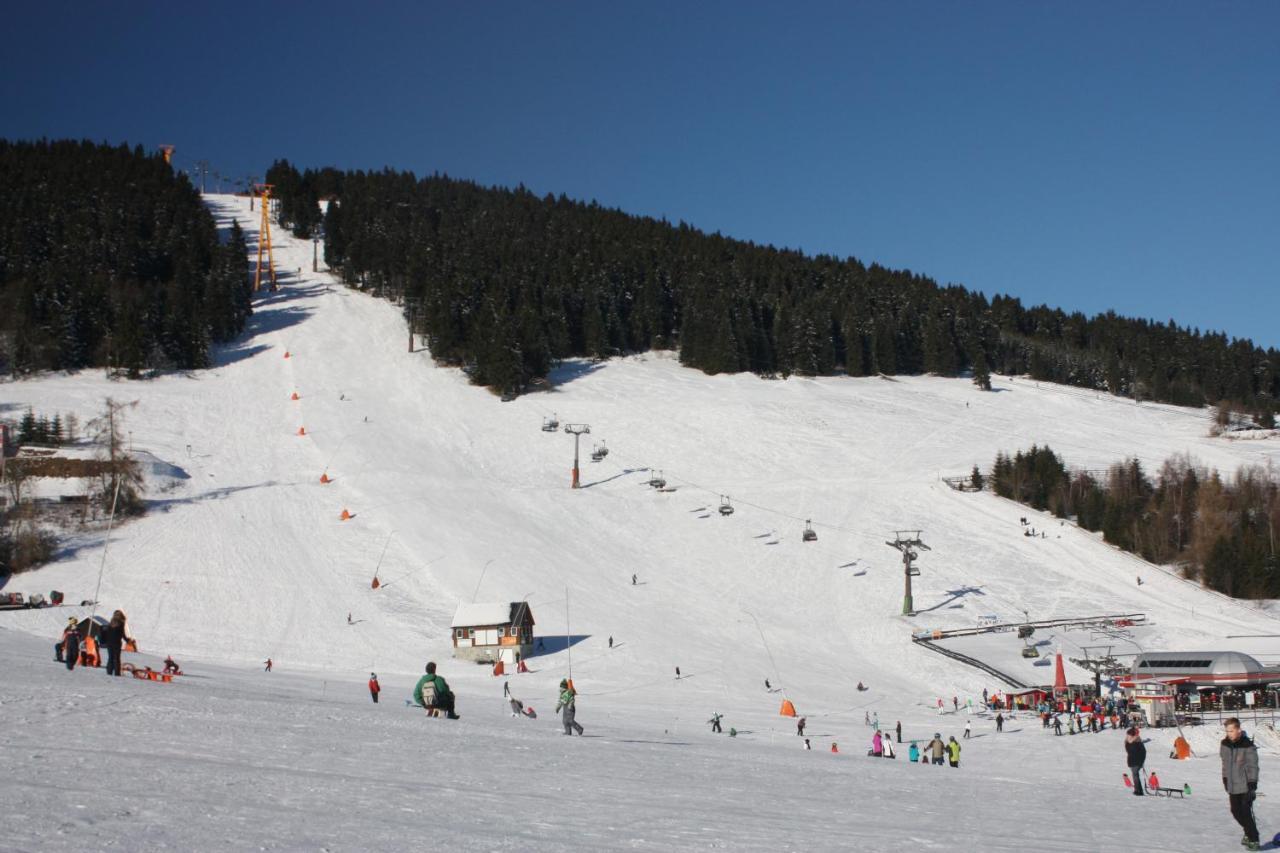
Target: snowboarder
(999, 721)
(953, 751)
(1240, 779)
(968, 729)
(433, 694)
(715, 723)
(568, 706)
(114, 637)
(935, 748)
(913, 754)
(897, 728)
(374, 687)
(800, 726)
(69, 647)
(1136, 756)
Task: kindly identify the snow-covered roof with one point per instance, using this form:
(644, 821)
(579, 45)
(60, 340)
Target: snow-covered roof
(483, 613)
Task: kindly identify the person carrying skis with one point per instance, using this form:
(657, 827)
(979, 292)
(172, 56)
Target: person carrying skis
(68, 647)
(374, 687)
(953, 751)
(432, 693)
(113, 637)
(568, 706)
(715, 723)
(936, 748)
(913, 754)
(800, 724)
(1240, 779)
(1135, 756)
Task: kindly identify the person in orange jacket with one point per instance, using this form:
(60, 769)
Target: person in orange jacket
(374, 687)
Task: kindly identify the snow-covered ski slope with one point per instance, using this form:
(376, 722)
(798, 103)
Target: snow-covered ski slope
(248, 558)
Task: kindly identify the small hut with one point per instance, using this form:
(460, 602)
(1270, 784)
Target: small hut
(493, 631)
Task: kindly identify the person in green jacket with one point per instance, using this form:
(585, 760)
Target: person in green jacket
(432, 692)
(568, 707)
(953, 751)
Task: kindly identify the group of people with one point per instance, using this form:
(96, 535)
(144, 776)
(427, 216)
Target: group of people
(936, 751)
(75, 647)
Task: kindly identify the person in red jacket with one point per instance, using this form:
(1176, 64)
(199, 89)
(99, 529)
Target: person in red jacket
(374, 687)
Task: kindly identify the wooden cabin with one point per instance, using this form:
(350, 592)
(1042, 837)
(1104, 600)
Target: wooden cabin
(493, 631)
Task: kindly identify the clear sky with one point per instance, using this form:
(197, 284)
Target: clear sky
(1088, 156)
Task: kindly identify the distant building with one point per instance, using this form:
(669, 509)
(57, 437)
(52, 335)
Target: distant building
(493, 631)
(1191, 671)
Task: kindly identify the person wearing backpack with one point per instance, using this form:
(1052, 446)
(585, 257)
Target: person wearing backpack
(567, 705)
(432, 693)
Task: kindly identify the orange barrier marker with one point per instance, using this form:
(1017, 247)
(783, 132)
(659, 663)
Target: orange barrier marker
(499, 668)
(286, 353)
(295, 396)
(324, 478)
(302, 430)
(787, 710)
(346, 516)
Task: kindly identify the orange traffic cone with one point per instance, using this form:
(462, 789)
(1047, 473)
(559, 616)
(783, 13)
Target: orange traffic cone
(346, 516)
(324, 478)
(302, 430)
(294, 396)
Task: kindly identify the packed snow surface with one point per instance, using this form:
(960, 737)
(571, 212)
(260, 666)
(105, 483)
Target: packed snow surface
(456, 497)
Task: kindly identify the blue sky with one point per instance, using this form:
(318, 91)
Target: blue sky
(1088, 156)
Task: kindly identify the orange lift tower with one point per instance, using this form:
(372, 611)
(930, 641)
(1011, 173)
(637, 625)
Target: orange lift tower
(167, 151)
(264, 239)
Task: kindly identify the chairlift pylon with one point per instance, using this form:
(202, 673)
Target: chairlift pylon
(810, 535)
(726, 508)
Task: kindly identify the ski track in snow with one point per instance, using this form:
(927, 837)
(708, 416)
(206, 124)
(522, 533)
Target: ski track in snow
(247, 559)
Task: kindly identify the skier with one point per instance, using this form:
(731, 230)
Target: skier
(955, 704)
(440, 702)
(506, 689)
(866, 718)
(677, 672)
(985, 697)
(268, 667)
(913, 754)
(800, 726)
(374, 687)
(999, 721)
(953, 751)
(936, 748)
(767, 685)
(569, 708)
(898, 730)
(611, 642)
(1240, 779)
(171, 666)
(715, 723)
(633, 580)
(69, 647)
(1135, 757)
(968, 729)
(348, 618)
(113, 637)
(1139, 580)
(940, 706)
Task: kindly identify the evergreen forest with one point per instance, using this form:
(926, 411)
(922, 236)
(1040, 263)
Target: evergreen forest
(505, 283)
(109, 258)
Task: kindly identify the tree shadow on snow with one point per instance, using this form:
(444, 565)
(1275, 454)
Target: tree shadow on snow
(568, 371)
(549, 645)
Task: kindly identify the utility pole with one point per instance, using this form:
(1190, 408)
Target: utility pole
(203, 167)
(253, 182)
(315, 260)
(907, 541)
(264, 241)
(412, 312)
(576, 430)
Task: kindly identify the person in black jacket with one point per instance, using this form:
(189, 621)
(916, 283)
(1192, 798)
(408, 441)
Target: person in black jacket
(114, 637)
(1135, 756)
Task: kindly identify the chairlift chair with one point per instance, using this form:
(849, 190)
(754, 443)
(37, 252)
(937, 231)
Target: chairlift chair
(726, 508)
(1030, 652)
(1025, 631)
(810, 535)
(600, 452)
(550, 424)
(657, 482)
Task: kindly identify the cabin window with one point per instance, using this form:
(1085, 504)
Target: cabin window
(471, 632)
(502, 632)
(460, 633)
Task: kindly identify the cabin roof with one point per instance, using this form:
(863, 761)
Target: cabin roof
(487, 613)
